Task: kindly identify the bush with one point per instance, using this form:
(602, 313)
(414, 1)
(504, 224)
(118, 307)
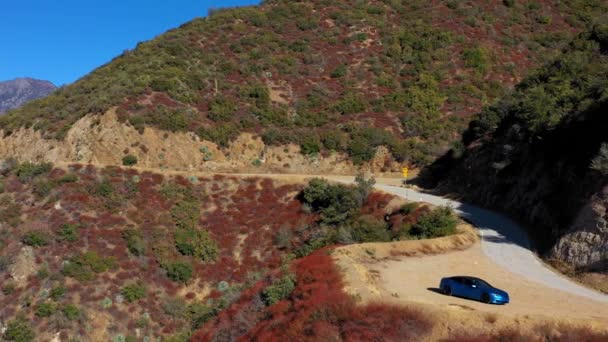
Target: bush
(57, 293)
(135, 242)
(133, 292)
(336, 203)
(129, 160)
(179, 271)
(19, 330)
(68, 232)
(186, 214)
(71, 312)
(476, 58)
(600, 162)
(439, 222)
(35, 239)
(197, 243)
(340, 71)
(45, 309)
(43, 187)
(370, 229)
(279, 290)
(310, 146)
(350, 104)
(28, 171)
(83, 267)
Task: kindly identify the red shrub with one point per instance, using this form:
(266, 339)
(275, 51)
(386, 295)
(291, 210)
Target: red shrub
(319, 309)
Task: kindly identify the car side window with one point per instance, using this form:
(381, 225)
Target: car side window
(468, 282)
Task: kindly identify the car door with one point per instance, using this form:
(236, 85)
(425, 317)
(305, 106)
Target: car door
(457, 286)
(471, 290)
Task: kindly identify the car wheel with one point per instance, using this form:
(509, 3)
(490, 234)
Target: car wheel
(485, 298)
(447, 291)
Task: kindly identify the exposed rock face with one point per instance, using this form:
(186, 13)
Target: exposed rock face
(24, 266)
(15, 93)
(103, 140)
(586, 244)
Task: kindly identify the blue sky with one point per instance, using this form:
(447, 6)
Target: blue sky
(63, 40)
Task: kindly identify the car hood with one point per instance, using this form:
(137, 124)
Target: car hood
(500, 292)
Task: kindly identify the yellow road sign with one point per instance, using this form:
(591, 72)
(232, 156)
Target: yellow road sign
(405, 171)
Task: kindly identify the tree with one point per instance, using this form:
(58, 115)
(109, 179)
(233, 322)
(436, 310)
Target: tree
(600, 162)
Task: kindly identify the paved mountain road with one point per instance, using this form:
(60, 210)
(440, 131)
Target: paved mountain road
(504, 242)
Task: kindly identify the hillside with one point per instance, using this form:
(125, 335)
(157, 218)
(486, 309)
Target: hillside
(327, 76)
(17, 92)
(106, 254)
(541, 154)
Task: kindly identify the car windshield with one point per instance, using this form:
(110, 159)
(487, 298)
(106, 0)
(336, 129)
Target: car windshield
(480, 282)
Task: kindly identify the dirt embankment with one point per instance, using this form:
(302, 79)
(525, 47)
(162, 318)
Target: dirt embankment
(103, 140)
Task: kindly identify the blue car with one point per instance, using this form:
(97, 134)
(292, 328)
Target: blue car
(473, 288)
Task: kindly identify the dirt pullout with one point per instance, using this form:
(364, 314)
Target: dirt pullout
(407, 280)
(363, 281)
(103, 140)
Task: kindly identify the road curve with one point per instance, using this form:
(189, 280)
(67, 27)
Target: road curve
(503, 241)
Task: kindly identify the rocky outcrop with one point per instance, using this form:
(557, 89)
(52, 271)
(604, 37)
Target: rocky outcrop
(104, 140)
(15, 93)
(586, 244)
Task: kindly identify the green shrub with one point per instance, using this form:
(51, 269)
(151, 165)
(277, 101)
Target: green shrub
(310, 146)
(370, 229)
(43, 187)
(28, 171)
(334, 140)
(350, 103)
(19, 330)
(35, 239)
(179, 271)
(133, 292)
(68, 232)
(83, 267)
(476, 58)
(135, 242)
(408, 208)
(222, 134)
(72, 312)
(221, 109)
(186, 214)
(279, 290)
(68, 178)
(198, 243)
(360, 150)
(129, 160)
(439, 222)
(45, 309)
(336, 203)
(340, 71)
(57, 293)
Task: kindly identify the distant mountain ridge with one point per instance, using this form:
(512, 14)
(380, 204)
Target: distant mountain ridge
(15, 93)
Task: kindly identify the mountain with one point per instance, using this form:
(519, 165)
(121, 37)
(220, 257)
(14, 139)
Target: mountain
(541, 153)
(376, 82)
(17, 92)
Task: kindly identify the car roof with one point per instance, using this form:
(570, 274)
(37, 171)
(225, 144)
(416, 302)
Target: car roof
(470, 278)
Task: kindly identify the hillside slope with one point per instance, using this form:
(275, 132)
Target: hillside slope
(16, 92)
(328, 76)
(541, 154)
